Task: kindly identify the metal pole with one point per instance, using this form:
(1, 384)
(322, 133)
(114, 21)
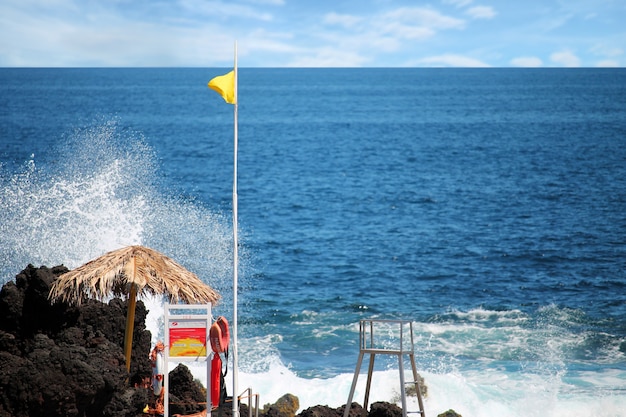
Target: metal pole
(235, 253)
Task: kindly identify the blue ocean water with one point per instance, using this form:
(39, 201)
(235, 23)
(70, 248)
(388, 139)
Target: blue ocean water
(487, 206)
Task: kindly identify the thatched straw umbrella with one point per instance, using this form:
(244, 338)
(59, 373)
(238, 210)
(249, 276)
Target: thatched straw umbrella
(131, 271)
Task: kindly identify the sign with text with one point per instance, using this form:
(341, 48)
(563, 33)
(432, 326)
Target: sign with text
(187, 338)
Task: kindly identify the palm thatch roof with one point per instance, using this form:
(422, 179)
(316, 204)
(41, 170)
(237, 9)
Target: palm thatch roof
(114, 272)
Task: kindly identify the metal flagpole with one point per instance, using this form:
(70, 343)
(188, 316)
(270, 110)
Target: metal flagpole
(235, 256)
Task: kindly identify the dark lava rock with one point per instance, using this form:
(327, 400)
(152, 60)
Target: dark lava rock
(59, 360)
(185, 395)
(383, 409)
(450, 413)
(356, 410)
(285, 406)
(321, 411)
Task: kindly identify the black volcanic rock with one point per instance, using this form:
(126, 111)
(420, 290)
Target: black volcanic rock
(59, 360)
(186, 396)
(384, 409)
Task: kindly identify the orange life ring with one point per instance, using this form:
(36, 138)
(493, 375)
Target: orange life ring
(219, 335)
(216, 373)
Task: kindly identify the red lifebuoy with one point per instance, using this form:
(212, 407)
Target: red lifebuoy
(219, 335)
(216, 372)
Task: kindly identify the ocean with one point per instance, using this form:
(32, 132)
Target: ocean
(485, 206)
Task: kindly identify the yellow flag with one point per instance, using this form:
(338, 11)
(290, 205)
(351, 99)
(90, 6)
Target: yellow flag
(225, 86)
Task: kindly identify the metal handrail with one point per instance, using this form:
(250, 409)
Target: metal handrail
(256, 401)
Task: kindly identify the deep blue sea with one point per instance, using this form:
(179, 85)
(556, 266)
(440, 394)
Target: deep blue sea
(485, 206)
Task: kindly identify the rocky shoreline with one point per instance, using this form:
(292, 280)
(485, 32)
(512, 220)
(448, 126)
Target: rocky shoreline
(61, 360)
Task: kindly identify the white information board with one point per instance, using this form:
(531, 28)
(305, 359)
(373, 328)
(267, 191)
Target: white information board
(187, 340)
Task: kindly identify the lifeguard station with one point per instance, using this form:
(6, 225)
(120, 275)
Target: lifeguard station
(398, 342)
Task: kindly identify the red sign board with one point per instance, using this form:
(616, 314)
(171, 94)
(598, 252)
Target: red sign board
(187, 338)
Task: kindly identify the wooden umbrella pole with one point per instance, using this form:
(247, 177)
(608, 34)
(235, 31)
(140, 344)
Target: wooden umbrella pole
(130, 324)
(130, 316)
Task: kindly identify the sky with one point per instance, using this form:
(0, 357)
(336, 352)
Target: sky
(313, 33)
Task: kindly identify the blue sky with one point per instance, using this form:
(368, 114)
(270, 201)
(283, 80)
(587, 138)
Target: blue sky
(313, 33)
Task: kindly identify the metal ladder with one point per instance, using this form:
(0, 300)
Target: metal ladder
(369, 344)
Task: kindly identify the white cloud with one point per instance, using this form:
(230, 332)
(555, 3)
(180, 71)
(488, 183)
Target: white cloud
(458, 3)
(565, 59)
(99, 34)
(367, 37)
(407, 32)
(481, 12)
(409, 24)
(607, 63)
(347, 21)
(270, 2)
(526, 61)
(202, 32)
(450, 60)
(605, 50)
(204, 9)
(328, 57)
(425, 17)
